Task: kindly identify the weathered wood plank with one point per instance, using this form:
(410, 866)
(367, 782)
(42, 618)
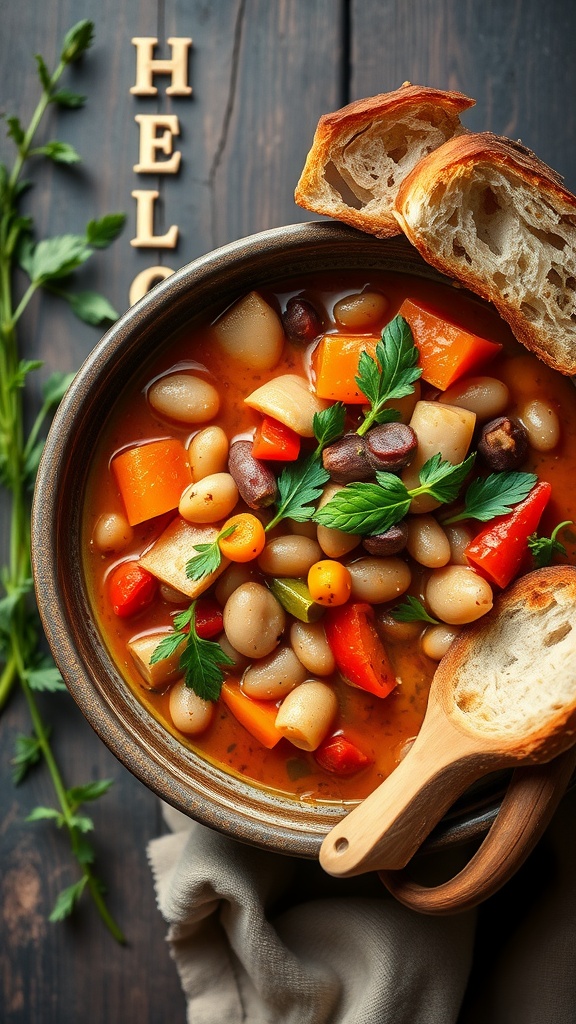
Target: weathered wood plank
(515, 59)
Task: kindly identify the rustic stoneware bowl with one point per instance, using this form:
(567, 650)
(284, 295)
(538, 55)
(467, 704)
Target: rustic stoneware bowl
(176, 774)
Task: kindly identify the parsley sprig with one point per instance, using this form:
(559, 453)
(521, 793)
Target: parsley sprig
(494, 495)
(391, 375)
(411, 609)
(208, 558)
(201, 661)
(544, 549)
(367, 508)
(48, 265)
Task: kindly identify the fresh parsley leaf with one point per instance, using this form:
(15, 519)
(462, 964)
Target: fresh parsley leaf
(28, 752)
(77, 40)
(209, 557)
(101, 233)
(494, 495)
(54, 258)
(67, 98)
(67, 900)
(544, 549)
(411, 610)
(89, 791)
(25, 366)
(15, 129)
(299, 486)
(202, 660)
(83, 849)
(391, 375)
(365, 508)
(328, 425)
(43, 73)
(91, 307)
(442, 480)
(59, 152)
(46, 814)
(45, 677)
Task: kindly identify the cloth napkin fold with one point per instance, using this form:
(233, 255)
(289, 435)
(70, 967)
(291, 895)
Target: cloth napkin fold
(259, 938)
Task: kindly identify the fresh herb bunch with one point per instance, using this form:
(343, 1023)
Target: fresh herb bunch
(48, 264)
(391, 375)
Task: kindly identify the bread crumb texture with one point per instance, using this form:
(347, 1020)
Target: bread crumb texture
(523, 676)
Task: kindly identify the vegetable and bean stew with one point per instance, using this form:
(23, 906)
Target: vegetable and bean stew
(299, 505)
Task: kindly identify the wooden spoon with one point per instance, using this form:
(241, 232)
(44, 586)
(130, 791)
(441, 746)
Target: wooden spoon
(505, 694)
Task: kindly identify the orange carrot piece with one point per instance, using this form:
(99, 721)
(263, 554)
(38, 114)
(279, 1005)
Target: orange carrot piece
(336, 363)
(257, 716)
(247, 540)
(151, 478)
(447, 351)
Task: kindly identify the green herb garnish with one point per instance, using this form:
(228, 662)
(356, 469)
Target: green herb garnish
(209, 558)
(544, 549)
(47, 264)
(201, 661)
(367, 508)
(391, 375)
(411, 610)
(494, 495)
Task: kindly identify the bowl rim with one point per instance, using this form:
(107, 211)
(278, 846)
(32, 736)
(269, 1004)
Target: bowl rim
(182, 778)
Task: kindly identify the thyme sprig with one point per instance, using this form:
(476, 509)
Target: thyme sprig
(47, 264)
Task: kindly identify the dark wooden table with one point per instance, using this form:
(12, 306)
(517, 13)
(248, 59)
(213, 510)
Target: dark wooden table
(262, 71)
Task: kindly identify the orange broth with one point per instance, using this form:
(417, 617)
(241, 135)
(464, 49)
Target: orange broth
(382, 728)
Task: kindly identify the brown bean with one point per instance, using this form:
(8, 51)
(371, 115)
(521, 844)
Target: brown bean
(503, 444)
(346, 460)
(255, 482)
(390, 446)
(301, 321)
(391, 542)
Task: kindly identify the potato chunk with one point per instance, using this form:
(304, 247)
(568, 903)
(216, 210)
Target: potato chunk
(251, 331)
(167, 557)
(288, 398)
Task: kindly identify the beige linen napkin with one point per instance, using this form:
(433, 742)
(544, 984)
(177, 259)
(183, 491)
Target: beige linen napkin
(263, 939)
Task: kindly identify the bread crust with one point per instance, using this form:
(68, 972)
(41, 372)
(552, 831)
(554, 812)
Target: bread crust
(338, 130)
(472, 160)
(529, 623)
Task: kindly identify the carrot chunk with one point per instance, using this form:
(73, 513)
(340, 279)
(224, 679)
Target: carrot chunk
(336, 359)
(151, 478)
(274, 440)
(447, 351)
(257, 716)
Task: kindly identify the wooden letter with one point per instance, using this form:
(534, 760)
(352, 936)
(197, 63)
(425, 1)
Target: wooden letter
(146, 67)
(151, 142)
(144, 281)
(145, 237)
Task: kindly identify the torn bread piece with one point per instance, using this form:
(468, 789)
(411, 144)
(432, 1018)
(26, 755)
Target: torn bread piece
(361, 153)
(485, 210)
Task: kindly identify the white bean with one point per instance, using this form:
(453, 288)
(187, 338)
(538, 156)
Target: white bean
(289, 555)
(378, 579)
(542, 425)
(209, 500)
(306, 714)
(427, 542)
(185, 398)
(239, 661)
(273, 677)
(233, 577)
(112, 533)
(361, 310)
(208, 452)
(251, 331)
(311, 647)
(189, 713)
(397, 632)
(459, 536)
(253, 620)
(440, 429)
(456, 595)
(487, 397)
(437, 639)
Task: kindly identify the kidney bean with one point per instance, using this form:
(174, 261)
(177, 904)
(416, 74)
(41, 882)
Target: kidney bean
(390, 446)
(346, 460)
(255, 482)
(503, 444)
(301, 321)
(391, 542)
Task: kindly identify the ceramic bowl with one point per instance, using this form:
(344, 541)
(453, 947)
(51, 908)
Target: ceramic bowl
(171, 770)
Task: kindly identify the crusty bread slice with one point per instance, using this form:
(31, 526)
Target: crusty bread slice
(361, 153)
(513, 672)
(485, 210)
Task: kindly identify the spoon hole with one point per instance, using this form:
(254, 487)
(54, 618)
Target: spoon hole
(341, 845)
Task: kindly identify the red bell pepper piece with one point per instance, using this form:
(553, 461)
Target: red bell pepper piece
(274, 440)
(131, 589)
(339, 755)
(358, 650)
(498, 551)
(208, 618)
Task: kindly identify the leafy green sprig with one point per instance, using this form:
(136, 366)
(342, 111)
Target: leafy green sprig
(391, 375)
(202, 660)
(411, 609)
(545, 549)
(48, 264)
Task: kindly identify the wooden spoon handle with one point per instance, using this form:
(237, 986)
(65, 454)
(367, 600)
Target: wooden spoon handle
(387, 828)
(528, 805)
